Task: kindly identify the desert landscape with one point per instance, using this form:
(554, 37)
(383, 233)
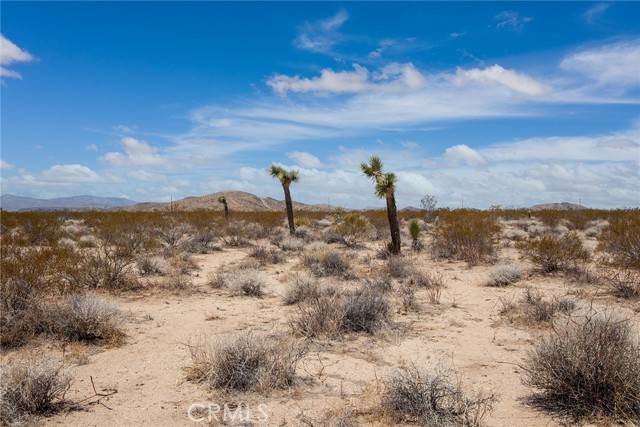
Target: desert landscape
(175, 317)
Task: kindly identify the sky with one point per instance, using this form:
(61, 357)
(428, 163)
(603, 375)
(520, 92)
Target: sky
(477, 103)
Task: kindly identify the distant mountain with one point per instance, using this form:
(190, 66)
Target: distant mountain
(238, 201)
(11, 202)
(564, 206)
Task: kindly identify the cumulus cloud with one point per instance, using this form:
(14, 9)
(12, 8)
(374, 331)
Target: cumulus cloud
(614, 64)
(10, 54)
(136, 153)
(517, 82)
(69, 173)
(511, 20)
(463, 154)
(304, 159)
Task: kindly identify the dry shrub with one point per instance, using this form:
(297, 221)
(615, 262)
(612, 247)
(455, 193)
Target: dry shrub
(540, 310)
(172, 236)
(290, 244)
(621, 239)
(86, 318)
(407, 294)
(361, 310)
(353, 228)
(31, 387)
(434, 397)
(246, 362)
(267, 256)
(398, 267)
(504, 275)
(588, 368)
(248, 282)
(624, 283)
(466, 235)
(553, 253)
(433, 282)
(103, 268)
(342, 417)
(176, 282)
(19, 312)
(382, 284)
(149, 266)
(303, 287)
(322, 261)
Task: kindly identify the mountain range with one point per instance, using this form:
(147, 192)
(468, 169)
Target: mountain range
(10, 202)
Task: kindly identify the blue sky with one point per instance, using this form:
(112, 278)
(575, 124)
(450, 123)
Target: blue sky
(493, 103)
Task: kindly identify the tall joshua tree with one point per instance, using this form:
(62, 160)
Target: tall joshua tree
(223, 200)
(286, 178)
(385, 189)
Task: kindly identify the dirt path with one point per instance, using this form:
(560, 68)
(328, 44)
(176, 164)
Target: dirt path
(147, 371)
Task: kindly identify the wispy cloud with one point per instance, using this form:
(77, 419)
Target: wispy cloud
(511, 20)
(595, 12)
(321, 36)
(11, 54)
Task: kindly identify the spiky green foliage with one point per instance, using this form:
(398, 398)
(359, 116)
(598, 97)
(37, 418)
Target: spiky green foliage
(222, 200)
(283, 175)
(414, 229)
(385, 182)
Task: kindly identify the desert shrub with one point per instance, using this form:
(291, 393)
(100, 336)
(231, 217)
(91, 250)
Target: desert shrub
(414, 232)
(31, 387)
(504, 275)
(290, 244)
(625, 283)
(104, 268)
(433, 398)
(324, 261)
(86, 318)
(148, 266)
(587, 368)
(466, 235)
(380, 283)
(267, 256)
(540, 310)
(433, 282)
(183, 263)
(201, 242)
(19, 312)
(398, 267)
(353, 228)
(172, 236)
(248, 282)
(246, 362)
(40, 228)
(553, 253)
(407, 294)
(176, 282)
(366, 310)
(621, 239)
(361, 310)
(301, 288)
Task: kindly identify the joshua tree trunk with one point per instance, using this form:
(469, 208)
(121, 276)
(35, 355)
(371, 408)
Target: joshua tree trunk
(392, 216)
(289, 204)
(226, 212)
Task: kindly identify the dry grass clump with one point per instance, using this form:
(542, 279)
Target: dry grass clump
(247, 282)
(588, 368)
(323, 261)
(433, 282)
(621, 239)
(407, 294)
(534, 309)
(86, 318)
(361, 310)
(302, 288)
(31, 387)
(267, 256)
(290, 244)
(149, 266)
(504, 275)
(466, 235)
(246, 362)
(433, 398)
(398, 267)
(553, 253)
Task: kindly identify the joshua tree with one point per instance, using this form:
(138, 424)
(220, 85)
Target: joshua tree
(286, 178)
(223, 200)
(385, 188)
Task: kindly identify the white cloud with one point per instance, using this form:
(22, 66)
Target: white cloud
(6, 165)
(615, 64)
(517, 82)
(91, 147)
(512, 20)
(463, 154)
(410, 145)
(595, 11)
(10, 54)
(306, 160)
(136, 153)
(321, 36)
(328, 81)
(69, 173)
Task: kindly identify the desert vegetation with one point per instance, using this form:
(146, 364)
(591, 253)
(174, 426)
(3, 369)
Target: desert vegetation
(324, 303)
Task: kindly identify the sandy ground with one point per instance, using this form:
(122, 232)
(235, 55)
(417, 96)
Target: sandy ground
(464, 331)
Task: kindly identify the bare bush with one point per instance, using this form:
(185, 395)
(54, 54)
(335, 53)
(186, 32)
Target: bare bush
(267, 256)
(587, 368)
(366, 310)
(291, 244)
(504, 275)
(556, 253)
(148, 266)
(301, 288)
(407, 294)
(19, 312)
(248, 282)
(246, 362)
(86, 318)
(31, 387)
(625, 283)
(324, 261)
(434, 398)
(621, 239)
(540, 310)
(466, 235)
(398, 267)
